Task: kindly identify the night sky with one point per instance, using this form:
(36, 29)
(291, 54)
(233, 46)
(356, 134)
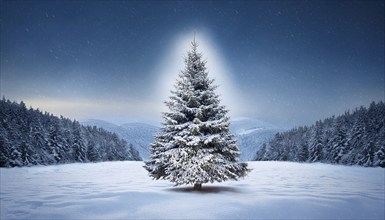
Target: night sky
(285, 62)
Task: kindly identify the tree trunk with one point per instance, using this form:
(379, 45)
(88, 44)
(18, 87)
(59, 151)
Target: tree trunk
(197, 186)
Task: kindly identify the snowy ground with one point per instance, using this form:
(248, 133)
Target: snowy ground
(122, 190)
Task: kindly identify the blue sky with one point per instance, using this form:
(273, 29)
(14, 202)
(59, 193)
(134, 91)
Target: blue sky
(286, 62)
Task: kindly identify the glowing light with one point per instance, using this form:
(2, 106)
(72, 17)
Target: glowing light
(148, 109)
(173, 63)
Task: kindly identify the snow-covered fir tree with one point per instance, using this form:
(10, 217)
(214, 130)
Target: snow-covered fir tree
(195, 145)
(315, 147)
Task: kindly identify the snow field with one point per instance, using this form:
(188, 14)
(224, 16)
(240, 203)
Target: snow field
(123, 190)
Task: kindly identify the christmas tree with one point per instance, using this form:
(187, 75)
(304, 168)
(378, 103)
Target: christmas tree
(195, 145)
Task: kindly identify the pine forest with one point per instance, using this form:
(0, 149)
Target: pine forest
(354, 138)
(30, 137)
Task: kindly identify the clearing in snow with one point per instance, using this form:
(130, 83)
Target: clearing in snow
(123, 190)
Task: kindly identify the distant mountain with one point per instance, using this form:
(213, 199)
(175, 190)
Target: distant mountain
(140, 135)
(99, 123)
(244, 125)
(250, 134)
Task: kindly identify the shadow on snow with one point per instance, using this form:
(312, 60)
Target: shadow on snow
(205, 189)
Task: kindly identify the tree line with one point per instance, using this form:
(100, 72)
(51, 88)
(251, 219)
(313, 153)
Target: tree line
(31, 137)
(354, 138)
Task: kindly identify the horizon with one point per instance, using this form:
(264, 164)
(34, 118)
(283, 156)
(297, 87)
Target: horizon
(158, 124)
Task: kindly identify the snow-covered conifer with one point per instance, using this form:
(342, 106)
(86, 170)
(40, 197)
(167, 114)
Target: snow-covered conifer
(195, 145)
(92, 153)
(55, 141)
(79, 148)
(339, 142)
(315, 148)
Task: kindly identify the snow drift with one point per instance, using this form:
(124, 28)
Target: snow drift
(123, 190)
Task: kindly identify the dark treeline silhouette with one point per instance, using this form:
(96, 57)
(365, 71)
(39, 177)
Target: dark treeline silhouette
(356, 138)
(30, 137)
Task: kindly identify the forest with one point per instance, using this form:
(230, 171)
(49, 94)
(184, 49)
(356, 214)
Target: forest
(354, 138)
(31, 137)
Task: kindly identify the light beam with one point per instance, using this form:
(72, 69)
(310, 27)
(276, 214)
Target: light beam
(173, 62)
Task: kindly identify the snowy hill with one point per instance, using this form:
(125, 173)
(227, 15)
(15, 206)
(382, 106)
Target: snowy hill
(244, 125)
(140, 135)
(123, 190)
(100, 123)
(250, 134)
